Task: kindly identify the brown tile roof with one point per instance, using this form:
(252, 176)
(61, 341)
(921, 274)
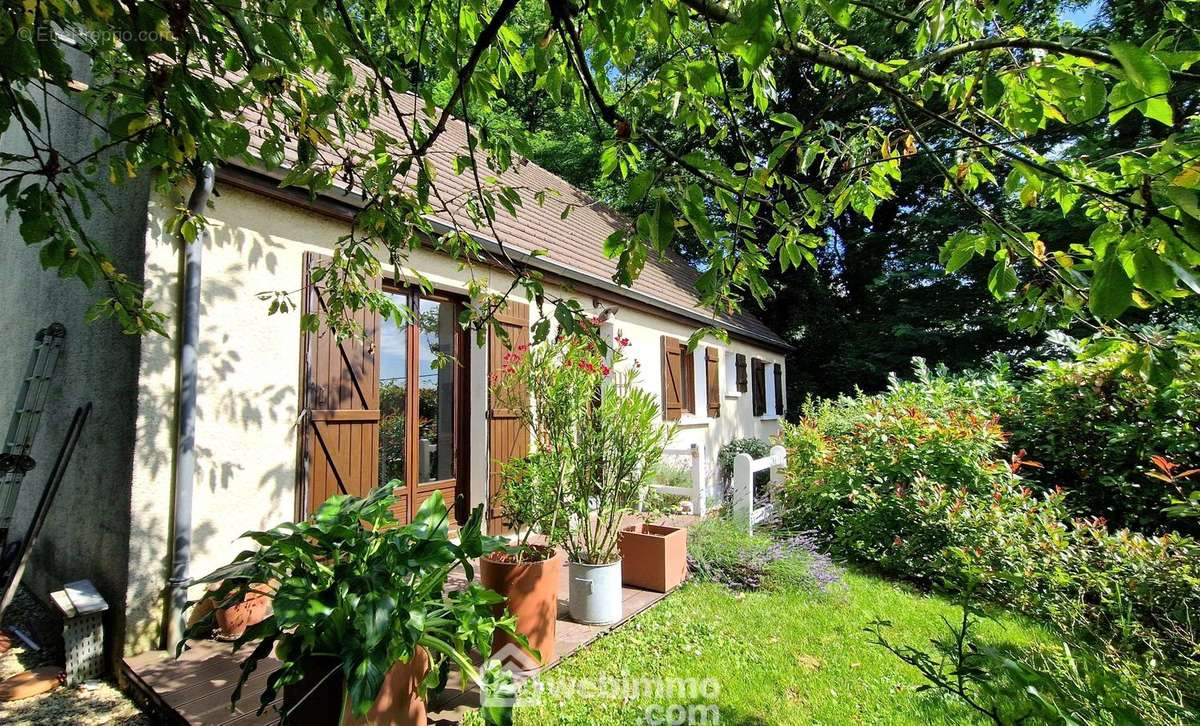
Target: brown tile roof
(575, 243)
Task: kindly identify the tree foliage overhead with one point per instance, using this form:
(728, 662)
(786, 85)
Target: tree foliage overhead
(684, 93)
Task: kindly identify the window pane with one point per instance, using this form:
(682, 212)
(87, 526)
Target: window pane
(437, 323)
(393, 393)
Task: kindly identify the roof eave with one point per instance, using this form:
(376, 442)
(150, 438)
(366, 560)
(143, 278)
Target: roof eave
(354, 201)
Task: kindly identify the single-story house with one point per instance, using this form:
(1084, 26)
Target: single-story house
(284, 419)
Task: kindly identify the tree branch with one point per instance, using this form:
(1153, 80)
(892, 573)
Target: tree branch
(482, 43)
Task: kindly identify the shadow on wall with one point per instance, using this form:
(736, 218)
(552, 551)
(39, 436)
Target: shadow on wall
(241, 411)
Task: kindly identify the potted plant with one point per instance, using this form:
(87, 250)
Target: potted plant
(362, 624)
(655, 556)
(617, 448)
(232, 620)
(548, 398)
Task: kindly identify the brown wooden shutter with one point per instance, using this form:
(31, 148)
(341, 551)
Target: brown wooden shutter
(741, 373)
(687, 365)
(672, 378)
(340, 413)
(759, 385)
(713, 381)
(779, 389)
(508, 438)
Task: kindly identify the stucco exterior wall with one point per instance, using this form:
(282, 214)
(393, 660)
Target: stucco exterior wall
(86, 534)
(249, 387)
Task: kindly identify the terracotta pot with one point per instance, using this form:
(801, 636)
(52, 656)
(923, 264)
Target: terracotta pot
(531, 593)
(233, 620)
(397, 704)
(655, 556)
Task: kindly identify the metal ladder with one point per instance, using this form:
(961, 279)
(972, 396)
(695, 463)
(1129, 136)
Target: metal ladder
(15, 459)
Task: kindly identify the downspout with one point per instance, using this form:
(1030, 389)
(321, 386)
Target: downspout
(185, 417)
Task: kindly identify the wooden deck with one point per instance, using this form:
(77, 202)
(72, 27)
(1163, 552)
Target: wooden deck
(196, 688)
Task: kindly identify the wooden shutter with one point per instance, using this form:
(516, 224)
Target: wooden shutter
(687, 366)
(741, 373)
(508, 438)
(672, 378)
(340, 412)
(778, 389)
(759, 385)
(713, 381)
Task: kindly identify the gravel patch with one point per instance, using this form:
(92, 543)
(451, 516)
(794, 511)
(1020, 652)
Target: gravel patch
(92, 704)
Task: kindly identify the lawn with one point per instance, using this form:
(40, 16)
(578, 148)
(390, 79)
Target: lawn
(776, 657)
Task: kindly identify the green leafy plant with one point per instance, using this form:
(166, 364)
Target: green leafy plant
(1095, 424)
(756, 448)
(597, 437)
(723, 551)
(550, 395)
(617, 450)
(916, 482)
(356, 592)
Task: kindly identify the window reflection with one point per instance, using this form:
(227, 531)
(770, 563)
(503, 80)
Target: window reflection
(437, 325)
(393, 395)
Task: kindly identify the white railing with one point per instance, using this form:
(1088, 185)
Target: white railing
(744, 469)
(698, 491)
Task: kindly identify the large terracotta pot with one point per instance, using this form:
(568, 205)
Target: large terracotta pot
(655, 556)
(531, 593)
(397, 704)
(232, 621)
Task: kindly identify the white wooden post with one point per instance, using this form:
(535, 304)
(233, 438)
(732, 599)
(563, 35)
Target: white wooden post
(699, 485)
(778, 460)
(743, 490)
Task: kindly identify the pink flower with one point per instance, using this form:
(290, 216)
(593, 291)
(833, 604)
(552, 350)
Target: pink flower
(623, 342)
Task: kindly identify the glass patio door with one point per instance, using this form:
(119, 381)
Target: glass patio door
(422, 375)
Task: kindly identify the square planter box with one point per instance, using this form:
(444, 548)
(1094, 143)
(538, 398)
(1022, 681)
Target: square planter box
(654, 557)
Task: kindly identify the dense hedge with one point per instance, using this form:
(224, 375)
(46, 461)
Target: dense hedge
(919, 482)
(1094, 426)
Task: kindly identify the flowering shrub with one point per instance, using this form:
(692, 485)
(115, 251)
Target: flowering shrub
(597, 443)
(1095, 427)
(721, 551)
(915, 481)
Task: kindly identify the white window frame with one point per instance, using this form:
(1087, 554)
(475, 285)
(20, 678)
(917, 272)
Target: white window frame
(729, 379)
(769, 386)
(700, 389)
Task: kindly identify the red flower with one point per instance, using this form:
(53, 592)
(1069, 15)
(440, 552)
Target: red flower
(622, 341)
(605, 370)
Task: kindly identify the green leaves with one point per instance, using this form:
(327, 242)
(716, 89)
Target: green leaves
(1147, 73)
(1112, 290)
(1002, 279)
(1147, 82)
(353, 590)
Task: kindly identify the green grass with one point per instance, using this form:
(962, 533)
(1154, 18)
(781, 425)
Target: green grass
(778, 657)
